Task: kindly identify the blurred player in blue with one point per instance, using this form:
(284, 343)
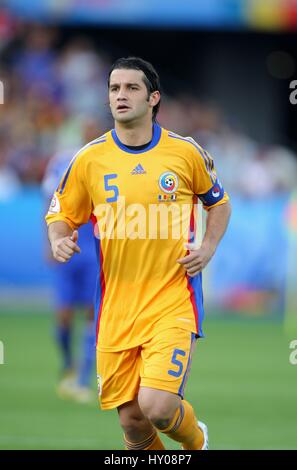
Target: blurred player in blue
(74, 286)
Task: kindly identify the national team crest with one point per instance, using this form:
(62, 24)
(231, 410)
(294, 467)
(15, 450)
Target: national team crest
(168, 182)
(216, 190)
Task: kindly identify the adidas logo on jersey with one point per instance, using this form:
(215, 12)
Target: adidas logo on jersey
(138, 170)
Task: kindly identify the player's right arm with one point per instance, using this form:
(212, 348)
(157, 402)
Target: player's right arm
(63, 241)
(71, 207)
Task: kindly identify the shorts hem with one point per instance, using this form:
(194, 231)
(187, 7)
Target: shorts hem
(159, 385)
(114, 404)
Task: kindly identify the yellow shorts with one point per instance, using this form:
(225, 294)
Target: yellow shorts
(163, 363)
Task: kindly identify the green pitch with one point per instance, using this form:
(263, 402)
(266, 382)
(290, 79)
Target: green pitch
(241, 384)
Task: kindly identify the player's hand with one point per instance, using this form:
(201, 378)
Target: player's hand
(64, 248)
(197, 259)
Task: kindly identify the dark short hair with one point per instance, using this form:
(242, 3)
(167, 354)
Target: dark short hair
(151, 78)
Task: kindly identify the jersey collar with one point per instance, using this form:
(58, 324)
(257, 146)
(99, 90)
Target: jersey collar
(155, 140)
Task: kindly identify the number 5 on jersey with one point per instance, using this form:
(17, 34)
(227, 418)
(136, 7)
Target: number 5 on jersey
(111, 187)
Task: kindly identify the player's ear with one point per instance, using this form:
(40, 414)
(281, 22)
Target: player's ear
(155, 98)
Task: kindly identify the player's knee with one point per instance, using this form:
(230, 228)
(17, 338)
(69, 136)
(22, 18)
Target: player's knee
(160, 422)
(130, 427)
(160, 417)
(131, 423)
(159, 414)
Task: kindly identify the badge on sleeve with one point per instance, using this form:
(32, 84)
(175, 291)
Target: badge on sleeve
(54, 207)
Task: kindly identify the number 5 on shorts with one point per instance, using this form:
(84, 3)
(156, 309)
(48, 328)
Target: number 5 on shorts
(176, 362)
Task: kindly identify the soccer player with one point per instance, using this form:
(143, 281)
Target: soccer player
(139, 184)
(74, 286)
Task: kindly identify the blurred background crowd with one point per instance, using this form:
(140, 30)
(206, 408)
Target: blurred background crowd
(54, 95)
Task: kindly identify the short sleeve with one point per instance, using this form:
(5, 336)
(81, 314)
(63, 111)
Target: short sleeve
(206, 184)
(71, 201)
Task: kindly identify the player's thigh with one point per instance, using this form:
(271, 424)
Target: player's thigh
(118, 377)
(166, 360)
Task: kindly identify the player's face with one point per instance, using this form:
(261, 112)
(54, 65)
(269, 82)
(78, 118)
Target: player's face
(128, 96)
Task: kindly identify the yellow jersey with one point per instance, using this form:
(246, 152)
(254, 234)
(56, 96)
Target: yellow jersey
(142, 205)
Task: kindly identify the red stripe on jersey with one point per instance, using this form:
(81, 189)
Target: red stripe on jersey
(93, 219)
(102, 287)
(192, 228)
(193, 302)
(191, 237)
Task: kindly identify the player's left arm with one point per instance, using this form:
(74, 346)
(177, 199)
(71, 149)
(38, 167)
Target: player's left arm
(210, 191)
(216, 225)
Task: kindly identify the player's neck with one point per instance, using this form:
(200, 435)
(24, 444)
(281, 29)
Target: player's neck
(136, 134)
